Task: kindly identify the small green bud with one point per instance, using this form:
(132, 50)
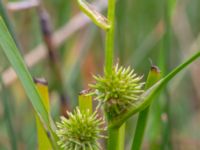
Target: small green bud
(80, 131)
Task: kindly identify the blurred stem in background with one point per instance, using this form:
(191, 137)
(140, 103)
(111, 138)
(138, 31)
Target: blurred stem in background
(164, 62)
(8, 109)
(54, 59)
(6, 19)
(161, 118)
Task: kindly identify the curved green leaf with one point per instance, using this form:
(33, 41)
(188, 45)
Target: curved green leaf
(147, 97)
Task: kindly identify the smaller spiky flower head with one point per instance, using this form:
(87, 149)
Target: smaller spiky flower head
(80, 131)
(117, 91)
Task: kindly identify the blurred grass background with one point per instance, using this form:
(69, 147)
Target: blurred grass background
(142, 33)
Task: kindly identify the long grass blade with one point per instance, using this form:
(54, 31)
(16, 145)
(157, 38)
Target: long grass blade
(10, 49)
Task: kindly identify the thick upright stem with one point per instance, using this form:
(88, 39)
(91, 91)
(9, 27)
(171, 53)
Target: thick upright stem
(116, 138)
(110, 37)
(116, 135)
(113, 135)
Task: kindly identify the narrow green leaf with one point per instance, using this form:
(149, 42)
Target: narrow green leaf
(17, 62)
(9, 48)
(146, 98)
(5, 16)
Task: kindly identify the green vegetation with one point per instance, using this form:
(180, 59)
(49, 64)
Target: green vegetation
(103, 115)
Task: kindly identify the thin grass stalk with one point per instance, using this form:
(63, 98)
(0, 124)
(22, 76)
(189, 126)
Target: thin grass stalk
(153, 77)
(6, 18)
(165, 65)
(8, 115)
(140, 129)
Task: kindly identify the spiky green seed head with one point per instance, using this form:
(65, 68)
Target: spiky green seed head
(117, 91)
(80, 131)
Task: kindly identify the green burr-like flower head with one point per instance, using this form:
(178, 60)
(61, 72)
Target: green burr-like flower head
(117, 91)
(80, 131)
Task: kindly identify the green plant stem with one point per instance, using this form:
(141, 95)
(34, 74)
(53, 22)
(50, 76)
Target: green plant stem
(109, 49)
(153, 77)
(116, 138)
(121, 139)
(85, 103)
(42, 136)
(140, 129)
(115, 135)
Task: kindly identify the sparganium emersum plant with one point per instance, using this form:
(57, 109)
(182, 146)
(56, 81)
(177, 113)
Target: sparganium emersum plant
(80, 131)
(117, 91)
